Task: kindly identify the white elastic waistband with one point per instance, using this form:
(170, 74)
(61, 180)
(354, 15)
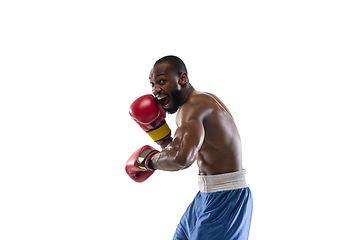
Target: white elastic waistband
(222, 182)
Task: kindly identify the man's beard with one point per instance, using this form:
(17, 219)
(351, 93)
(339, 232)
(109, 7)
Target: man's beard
(175, 98)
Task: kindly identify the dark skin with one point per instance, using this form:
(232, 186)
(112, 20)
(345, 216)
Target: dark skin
(206, 130)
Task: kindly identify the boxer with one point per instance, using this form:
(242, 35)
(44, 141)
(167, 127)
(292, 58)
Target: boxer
(207, 134)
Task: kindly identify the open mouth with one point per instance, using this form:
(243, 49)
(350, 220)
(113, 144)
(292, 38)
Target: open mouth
(164, 100)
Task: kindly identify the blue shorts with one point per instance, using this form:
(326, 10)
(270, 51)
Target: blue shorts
(217, 215)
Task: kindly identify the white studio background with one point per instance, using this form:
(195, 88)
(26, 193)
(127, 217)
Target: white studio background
(287, 70)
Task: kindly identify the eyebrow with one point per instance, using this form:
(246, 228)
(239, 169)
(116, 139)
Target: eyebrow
(158, 75)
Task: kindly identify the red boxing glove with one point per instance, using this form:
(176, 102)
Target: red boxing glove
(137, 167)
(150, 115)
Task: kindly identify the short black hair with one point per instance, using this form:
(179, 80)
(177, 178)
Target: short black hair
(176, 63)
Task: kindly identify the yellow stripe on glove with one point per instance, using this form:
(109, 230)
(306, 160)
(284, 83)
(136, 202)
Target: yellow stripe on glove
(159, 133)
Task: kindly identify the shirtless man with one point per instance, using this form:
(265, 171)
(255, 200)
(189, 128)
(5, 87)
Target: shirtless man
(206, 133)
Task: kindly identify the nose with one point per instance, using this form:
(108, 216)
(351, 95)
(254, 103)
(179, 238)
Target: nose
(156, 90)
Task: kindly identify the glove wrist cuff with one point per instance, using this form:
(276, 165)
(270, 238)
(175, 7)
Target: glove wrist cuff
(144, 158)
(160, 133)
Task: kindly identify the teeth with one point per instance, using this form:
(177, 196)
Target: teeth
(159, 98)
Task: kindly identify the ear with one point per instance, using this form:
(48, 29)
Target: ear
(183, 79)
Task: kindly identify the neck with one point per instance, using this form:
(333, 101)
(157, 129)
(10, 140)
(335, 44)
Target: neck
(185, 95)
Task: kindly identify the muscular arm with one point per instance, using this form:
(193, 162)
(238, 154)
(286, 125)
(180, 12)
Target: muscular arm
(181, 151)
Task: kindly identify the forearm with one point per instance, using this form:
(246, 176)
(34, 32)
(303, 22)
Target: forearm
(177, 155)
(168, 160)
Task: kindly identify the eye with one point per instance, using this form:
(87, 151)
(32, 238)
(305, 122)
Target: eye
(152, 84)
(162, 81)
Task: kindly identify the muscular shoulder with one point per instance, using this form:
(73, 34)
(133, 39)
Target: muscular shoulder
(198, 107)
